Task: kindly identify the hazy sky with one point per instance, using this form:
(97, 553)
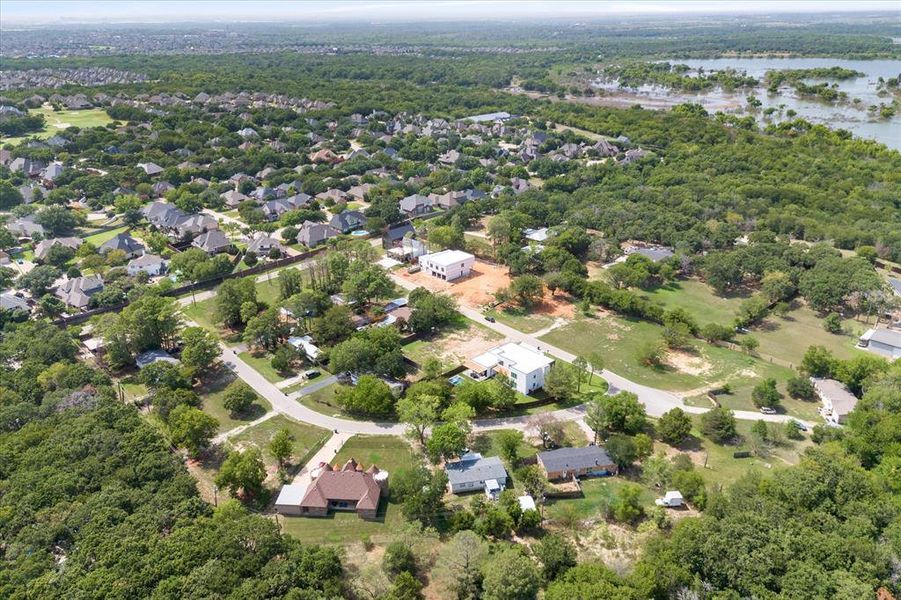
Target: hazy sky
(18, 12)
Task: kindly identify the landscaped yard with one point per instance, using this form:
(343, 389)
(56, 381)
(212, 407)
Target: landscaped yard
(307, 438)
(388, 453)
(213, 396)
(54, 122)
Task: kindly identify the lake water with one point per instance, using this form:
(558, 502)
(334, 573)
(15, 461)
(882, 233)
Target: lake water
(847, 115)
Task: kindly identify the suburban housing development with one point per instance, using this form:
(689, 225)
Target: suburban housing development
(408, 301)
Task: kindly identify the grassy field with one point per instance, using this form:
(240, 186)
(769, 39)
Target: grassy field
(202, 313)
(213, 396)
(698, 300)
(98, 238)
(599, 492)
(307, 438)
(787, 338)
(386, 452)
(723, 468)
(618, 339)
(486, 444)
(521, 320)
(262, 365)
(57, 121)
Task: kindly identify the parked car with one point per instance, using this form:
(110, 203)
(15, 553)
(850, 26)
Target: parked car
(799, 425)
(766, 410)
(312, 373)
(490, 319)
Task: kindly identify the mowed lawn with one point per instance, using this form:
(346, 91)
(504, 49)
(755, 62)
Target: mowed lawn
(99, 238)
(55, 122)
(307, 438)
(698, 299)
(262, 364)
(213, 396)
(387, 452)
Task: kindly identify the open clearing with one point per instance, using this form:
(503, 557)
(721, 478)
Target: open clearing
(698, 299)
(454, 346)
(474, 291)
(307, 440)
(213, 396)
(618, 339)
(54, 122)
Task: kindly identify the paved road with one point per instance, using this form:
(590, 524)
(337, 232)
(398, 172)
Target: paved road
(656, 401)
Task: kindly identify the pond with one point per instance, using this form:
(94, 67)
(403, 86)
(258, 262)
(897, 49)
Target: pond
(849, 115)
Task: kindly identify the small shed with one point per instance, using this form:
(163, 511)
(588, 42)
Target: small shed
(671, 499)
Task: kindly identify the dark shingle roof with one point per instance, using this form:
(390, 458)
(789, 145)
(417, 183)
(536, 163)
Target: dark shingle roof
(565, 459)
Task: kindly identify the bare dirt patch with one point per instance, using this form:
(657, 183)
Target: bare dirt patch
(462, 345)
(684, 362)
(473, 291)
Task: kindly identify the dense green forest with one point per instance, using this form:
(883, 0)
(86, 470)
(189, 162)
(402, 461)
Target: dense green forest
(94, 504)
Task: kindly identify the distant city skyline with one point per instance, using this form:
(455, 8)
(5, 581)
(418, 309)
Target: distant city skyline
(49, 12)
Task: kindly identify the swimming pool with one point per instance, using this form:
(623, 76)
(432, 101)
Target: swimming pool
(359, 233)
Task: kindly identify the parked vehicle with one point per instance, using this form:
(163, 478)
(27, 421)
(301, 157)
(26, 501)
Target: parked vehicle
(766, 410)
(490, 319)
(799, 425)
(311, 374)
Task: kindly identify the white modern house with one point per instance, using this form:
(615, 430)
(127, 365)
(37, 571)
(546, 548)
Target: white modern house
(837, 401)
(524, 365)
(447, 264)
(885, 342)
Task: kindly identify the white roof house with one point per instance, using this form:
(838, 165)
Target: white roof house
(837, 401)
(306, 344)
(524, 364)
(447, 264)
(885, 342)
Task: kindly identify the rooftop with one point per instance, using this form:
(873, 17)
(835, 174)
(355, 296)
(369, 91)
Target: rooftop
(564, 459)
(523, 357)
(473, 467)
(446, 258)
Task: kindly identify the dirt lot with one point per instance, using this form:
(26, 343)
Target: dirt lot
(473, 291)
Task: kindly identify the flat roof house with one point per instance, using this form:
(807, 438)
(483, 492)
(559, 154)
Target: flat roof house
(447, 264)
(473, 473)
(524, 365)
(837, 401)
(885, 342)
(565, 463)
(349, 488)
